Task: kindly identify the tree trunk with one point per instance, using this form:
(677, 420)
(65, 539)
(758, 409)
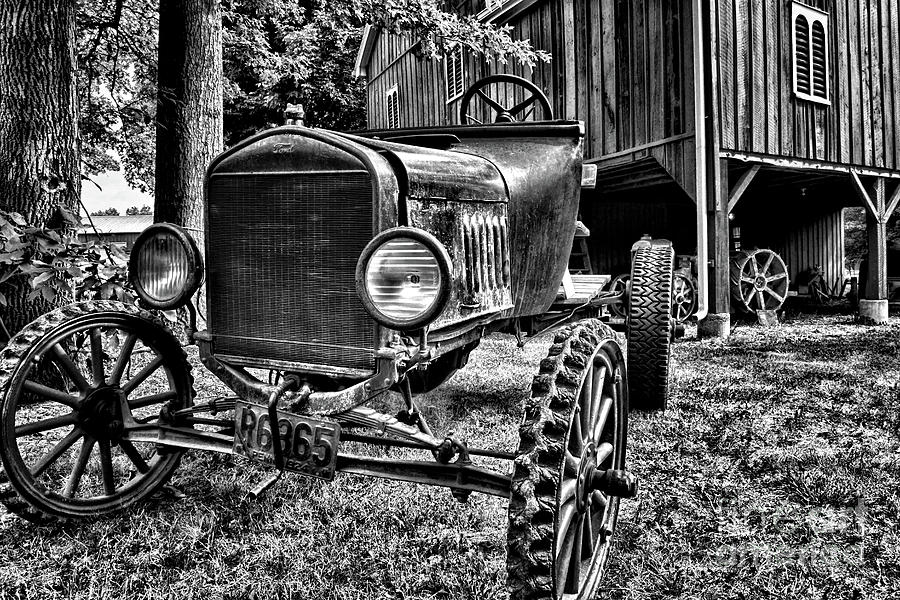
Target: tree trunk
(189, 108)
(39, 153)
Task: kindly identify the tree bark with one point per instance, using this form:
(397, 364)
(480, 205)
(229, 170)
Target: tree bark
(39, 141)
(189, 108)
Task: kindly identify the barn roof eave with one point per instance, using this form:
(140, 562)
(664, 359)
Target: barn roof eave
(367, 44)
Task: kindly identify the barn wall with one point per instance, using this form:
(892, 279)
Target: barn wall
(804, 231)
(758, 110)
(618, 220)
(624, 67)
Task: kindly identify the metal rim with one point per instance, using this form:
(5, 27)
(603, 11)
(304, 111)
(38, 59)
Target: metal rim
(443, 260)
(763, 280)
(684, 297)
(585, 518)
(195, 261)
(78, 450)
(505, 114)
(618, 285)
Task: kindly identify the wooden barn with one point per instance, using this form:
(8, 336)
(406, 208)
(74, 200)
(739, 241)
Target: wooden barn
(122, 230)
(744, 123)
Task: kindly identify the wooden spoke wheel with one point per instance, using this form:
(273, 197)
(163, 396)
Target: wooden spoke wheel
(650, 326)
(759, 280)
(534, 98)
(79, 439)
(684, 297)
(618, 285)
(561, 517)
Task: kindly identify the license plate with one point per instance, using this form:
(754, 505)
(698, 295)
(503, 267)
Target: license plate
(309, 445)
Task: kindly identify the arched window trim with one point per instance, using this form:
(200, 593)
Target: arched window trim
(392, 103)
(812, 16)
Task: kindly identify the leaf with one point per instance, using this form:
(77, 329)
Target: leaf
(44, 277)
(3, 301)
(117, 252)
(18, 219)
(48, 293)
(33, 294)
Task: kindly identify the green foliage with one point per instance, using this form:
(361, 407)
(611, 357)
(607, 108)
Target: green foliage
(144, 210)
(275, 52)
(106, 212)
(55, 263)
(116, 50)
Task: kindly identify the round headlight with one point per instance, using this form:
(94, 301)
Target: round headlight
(403, 278)
(165, 266)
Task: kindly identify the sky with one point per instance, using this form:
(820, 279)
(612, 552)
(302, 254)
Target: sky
(115, 193)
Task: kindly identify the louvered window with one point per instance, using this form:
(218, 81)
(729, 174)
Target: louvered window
(393, 108)
(811, 73)
(455, 76)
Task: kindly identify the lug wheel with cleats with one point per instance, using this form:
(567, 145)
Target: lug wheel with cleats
(84, 386)
(569, 470)
(650, 326)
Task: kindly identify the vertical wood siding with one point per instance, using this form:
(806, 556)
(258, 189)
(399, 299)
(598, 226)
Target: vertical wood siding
(624, 67)
(758, 110)
(805, 233)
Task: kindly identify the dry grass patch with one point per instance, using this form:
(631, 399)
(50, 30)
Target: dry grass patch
(774, 475)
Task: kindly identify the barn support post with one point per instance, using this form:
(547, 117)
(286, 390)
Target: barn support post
(718, 322)
(873, 307)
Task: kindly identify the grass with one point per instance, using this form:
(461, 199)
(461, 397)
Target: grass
(775, 474)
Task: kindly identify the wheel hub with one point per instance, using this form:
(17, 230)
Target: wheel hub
(583, 487)
(760, 282)
(101, 413)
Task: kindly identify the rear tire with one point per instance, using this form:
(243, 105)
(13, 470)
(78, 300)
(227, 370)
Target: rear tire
(650, 326)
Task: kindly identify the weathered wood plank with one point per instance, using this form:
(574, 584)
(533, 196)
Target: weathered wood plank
(624, 29)
(787, 111)
(639, 70)
(757, 73)
(740, 187)
(687, 57)
(606, 72)
(866, 81)
(727, 75)
(875, 61)
(772, 76)
(887, 83)
(864, 196)
(656, 41)
(841, 82)
(570, 67)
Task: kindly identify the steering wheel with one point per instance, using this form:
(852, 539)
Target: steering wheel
(518, 112)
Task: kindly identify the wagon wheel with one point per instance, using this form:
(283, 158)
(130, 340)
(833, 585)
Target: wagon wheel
(86, 445)
(684, 297)
(618, 285)
(517, 112)
(650, 326)
(561, 515)
(759, 280)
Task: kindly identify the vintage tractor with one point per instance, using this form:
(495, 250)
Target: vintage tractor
(353, 266)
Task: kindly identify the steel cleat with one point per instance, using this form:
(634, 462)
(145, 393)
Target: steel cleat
(615, 482)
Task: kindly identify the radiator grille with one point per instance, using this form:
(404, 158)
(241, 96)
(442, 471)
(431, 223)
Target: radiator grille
(281, 266)
(486, 254)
